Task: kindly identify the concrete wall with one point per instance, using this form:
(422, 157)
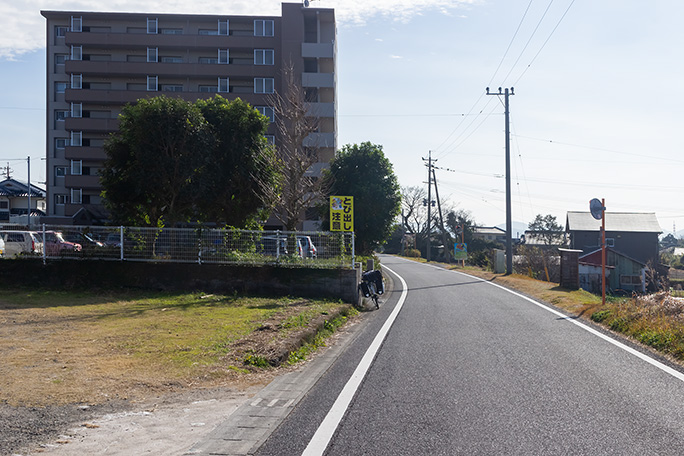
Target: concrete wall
(83, 274)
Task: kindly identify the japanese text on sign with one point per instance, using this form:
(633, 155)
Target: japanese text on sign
(342, 213)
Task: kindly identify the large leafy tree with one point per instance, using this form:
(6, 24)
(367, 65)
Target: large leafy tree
(239, 166)
(363, 171)
(153, 161)
(175, 161)
(547, 228)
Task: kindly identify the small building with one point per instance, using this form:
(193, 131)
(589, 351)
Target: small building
(622, 272)
(633, 234)
(490, 234)
(14, 202)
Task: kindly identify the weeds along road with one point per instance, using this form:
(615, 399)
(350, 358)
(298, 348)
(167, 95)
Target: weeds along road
(470, 368)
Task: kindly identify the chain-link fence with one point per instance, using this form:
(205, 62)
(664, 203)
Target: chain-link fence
(197, 245)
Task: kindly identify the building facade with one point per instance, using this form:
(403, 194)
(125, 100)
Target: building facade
(98, 62)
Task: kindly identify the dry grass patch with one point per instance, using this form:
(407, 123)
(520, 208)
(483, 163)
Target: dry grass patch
(62, 347)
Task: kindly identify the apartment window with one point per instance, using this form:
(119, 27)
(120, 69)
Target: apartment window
(60, 171)
(152, 83)
(223, 56)
(208, 60)
(208, 89)
(61, 143)
(60, 59)
(263, 85)
(60, 200)
(169, 31)
(76, 52)
(76, 138)
(263, 57)
(76, 24)
(76, 81)
(151, 26)
(266, 111)
(76, 109)
(61, 115)
(206, 32)
(152, 54)
(172, 59)
(223, 28)
(172, 87)
(76, 167)
(60, 87)
(223, 85)
(263, 27)
(76, 196)
(60, 31)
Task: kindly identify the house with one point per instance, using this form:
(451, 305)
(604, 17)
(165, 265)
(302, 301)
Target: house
(490, 234)
(97, 62)
(14, 202)
(622, 272)
(633, 234)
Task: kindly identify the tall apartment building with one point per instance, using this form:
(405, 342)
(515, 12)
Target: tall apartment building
(97, 62)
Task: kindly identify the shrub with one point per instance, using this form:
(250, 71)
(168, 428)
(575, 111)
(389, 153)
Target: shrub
(413, 253)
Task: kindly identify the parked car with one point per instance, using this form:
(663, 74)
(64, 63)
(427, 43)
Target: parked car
(85, 239)
(21, 243)
(55, 244)
(2, 247)
(272, 246)
(306, 247)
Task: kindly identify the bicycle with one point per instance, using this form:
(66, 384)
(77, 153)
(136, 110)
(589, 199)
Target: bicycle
(372, 286)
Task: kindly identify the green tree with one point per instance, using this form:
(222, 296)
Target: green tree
(153, 161)
(239, 166)
(363, 171)
(174, 161)
(547, 228)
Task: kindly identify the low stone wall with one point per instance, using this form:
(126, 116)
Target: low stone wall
(85, 274)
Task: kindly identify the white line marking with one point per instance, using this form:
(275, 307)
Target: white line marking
(665, 368)
(319, 442)
(255, 403)
(273, 402)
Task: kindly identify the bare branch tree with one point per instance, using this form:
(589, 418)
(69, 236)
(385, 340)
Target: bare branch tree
(299, 187)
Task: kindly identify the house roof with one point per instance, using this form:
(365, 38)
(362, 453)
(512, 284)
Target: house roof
(634, 222)
(14, 188)
(489, 230)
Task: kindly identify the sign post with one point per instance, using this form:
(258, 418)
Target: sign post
(598, 211)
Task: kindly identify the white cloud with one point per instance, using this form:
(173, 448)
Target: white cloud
(24, 27)
(396, 56)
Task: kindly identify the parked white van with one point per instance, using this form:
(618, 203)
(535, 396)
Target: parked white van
(21, 242)
(2, 247)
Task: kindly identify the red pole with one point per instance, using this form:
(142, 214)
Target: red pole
(603, 252)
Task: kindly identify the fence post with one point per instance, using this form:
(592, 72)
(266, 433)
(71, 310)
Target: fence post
(44, 246)
(353, 249)
(121, 242)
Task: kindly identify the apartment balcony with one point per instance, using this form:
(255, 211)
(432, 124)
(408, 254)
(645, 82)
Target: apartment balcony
(138, 40)
(84, 182)
(321, 109)
(318, 79)
(121, 97)
(85, 153)
(318, 50)
(185, 70)
(91, 125)
(320, 140)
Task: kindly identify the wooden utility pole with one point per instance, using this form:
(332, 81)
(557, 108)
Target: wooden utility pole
(429, 202)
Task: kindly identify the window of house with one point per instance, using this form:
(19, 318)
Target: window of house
(152, 54)
(310, 65)
(76, 196)
(60, 87)
(60, 59)
(223, 28)
(610, 242)
(61, 143)
(152, 83)
(263, 27)
(76, 52)
(223, 56)
(151, 26)
(630, 280)
(76, 109)
(263, 85)
(60, 31)
(76, 23)
(223, 86)
(61, 114)
(4, 204)
(76, 167)
(263, 57)
(76, 138)
(266, 111)
(60, 171)
(76, 81)
(60, 199)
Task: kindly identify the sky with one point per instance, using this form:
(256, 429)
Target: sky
(597, 111)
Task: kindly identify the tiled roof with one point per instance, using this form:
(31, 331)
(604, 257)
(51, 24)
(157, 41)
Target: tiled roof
(14, 188)
(633, 222)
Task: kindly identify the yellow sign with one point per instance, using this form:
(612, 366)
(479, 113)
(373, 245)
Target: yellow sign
(341, 213)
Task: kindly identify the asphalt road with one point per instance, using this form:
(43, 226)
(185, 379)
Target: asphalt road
(468, 368)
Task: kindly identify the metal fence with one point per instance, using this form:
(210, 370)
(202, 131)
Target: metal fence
(198, 245)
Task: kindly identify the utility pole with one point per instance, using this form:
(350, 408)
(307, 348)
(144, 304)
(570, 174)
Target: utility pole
(28, 214)
(429, 202)
(509, 221)
(447, 251)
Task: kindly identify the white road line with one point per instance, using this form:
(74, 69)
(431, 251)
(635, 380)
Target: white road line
(665, 368)
(319, 442)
